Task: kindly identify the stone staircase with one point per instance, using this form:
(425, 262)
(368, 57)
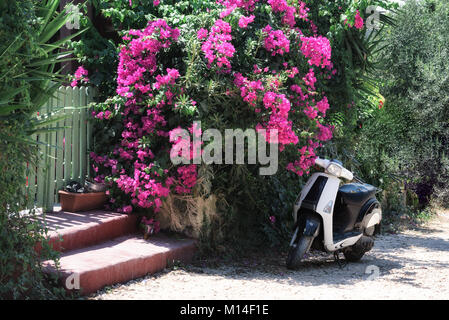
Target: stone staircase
(101, 248)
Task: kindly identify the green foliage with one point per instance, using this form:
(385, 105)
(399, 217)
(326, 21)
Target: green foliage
(21, 275)
(353, 93)
(27, 79)
(411, 133)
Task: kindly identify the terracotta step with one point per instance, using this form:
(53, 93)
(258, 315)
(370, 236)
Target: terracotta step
(119, 260)
(81, 229)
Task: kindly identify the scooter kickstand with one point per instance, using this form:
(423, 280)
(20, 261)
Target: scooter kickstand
(338, 260)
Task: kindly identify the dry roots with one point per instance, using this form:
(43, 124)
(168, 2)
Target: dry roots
(193, 215)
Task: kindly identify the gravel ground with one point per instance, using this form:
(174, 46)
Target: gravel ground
(413, 264)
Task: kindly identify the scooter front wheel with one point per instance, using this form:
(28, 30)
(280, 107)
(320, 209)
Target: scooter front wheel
(297, 251)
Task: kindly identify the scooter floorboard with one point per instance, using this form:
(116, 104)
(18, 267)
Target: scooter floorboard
(337, 237)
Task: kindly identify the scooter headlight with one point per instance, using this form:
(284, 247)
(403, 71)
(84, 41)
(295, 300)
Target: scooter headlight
(334, 169)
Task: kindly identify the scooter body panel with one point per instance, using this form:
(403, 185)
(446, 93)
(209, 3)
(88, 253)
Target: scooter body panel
(311, 199)
(323, 201)
(325, 209)
(319, 195)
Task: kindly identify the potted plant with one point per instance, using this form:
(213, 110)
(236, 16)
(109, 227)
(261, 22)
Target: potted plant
(76, 197)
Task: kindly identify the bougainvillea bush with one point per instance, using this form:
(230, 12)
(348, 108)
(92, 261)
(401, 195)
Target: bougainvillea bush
(266, 76)
(229, 64)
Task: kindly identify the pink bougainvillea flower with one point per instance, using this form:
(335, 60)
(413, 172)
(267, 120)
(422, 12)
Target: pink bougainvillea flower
(107, 114)
(275, 41)
(80, 72)
(358, 21)
(127, 209)
(228, 11)
(142, 181)
(303, 11)
(281, 6)
(310, 79)
(306, 159)
(325, 133)
(247, 5)
(313, 28)
(317, 50)
(323, 105)
(311, 112)
(80, 75)
(244, 21)
(188, 177)
(202, 33)
(218, 48)
(138, 58)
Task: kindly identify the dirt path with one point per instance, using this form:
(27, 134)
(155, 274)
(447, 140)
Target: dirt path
(410, 265)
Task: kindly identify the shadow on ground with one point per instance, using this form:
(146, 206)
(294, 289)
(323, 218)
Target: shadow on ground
(389, 255)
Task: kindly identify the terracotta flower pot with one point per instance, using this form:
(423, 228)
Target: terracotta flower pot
(74, 202)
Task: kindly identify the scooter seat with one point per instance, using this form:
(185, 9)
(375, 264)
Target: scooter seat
(356, 193)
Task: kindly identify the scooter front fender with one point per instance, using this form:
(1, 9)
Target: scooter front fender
(311, 225)
(308, 225)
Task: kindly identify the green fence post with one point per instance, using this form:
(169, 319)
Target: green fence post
(76, 135)
(68, 135)
(51, 159)
(59, 142)
(83, 134)
(90, 98)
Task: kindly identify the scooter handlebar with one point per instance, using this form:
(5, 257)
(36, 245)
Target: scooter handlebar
(345, 173)
(322, 162)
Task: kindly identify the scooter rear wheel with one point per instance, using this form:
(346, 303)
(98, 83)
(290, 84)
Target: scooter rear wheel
(356, 252)
(297, 252)
(354, 255)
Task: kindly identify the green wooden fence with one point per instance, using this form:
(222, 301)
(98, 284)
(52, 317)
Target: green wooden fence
(64, 156)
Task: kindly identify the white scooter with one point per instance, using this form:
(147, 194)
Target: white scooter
(334, 218)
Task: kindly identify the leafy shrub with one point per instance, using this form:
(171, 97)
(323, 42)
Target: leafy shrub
(26, 72)
(411, 129)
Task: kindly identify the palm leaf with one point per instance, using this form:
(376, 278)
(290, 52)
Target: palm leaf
(39, 74)
(53, 21)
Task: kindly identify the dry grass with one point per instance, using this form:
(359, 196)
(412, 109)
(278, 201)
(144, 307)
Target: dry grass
(193, 215)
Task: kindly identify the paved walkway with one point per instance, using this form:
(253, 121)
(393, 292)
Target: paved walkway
(413, 264)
